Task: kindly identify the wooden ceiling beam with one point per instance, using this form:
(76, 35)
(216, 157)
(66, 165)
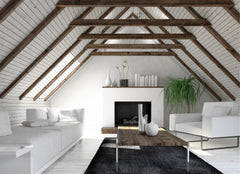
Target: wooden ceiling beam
(134, 46)
(140, 22)
(60, 59)
(208, 54)
(148, 53)
(42, 56)
(137, 36)
(215, 34)
(144, 3)
(88, 57)
(234, 13)
(30, 37)
(8, 9)
(179, 59)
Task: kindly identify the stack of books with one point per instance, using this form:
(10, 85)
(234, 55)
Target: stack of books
(146, 80)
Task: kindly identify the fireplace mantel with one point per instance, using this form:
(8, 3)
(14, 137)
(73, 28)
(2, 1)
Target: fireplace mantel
(110, 95)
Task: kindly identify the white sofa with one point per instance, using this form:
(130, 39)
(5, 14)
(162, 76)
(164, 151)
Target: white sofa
(217, 120)
(49, 142)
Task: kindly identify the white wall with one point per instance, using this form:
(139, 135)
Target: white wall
(84, 88)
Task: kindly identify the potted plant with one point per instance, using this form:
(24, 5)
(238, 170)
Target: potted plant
(183, 90)
(123, 74)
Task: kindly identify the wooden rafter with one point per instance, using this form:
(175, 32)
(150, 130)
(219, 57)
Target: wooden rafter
(143, 3)
(85, 60)
(42, 56)
(30, 37)
(133, 53)
(9, 8)
(140, 22)
(194, 59)
(178, 58)
(59, 59)
(234, 13)
(137, 36)
(215, 34)
(133, 46)
(208, 54)
(76, 58)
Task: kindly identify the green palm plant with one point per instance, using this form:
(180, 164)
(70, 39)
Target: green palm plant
(184, 90)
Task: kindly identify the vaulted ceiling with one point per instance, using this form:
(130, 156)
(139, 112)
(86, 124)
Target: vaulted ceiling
(43, 43)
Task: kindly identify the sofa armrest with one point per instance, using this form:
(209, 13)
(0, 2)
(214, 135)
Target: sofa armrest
(221, 126)
(183, 118)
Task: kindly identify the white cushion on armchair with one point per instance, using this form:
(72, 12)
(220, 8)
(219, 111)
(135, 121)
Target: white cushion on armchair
(218, 119)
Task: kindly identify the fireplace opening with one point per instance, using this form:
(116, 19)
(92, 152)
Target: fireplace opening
(126, 113)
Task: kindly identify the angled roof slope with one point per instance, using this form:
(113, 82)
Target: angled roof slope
(213, 56)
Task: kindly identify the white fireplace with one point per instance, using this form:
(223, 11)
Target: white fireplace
(154, 95)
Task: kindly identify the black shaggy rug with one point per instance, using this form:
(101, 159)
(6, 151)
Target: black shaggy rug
(147, 160)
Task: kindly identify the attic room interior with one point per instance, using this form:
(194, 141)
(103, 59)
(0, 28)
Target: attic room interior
(115, 86)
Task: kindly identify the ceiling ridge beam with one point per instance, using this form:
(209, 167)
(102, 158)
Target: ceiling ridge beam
(42, 56)
(215, 34)
(8, 9)
(134, 46)
(60, 59)
(140, 22)
(145, 53)
(175, 41)
(144, 3)
(208, 54)
(85, 60)
(137, 36)
(233, 12)
(29, 37)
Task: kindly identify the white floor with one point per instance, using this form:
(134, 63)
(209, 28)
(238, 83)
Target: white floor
(78, 158)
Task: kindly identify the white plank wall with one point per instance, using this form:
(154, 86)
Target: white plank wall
(17, 108)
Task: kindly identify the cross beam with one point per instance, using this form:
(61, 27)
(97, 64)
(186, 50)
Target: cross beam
(146, 3)
(137, 36)
(140, 22)
(133, 54)
(134, 46)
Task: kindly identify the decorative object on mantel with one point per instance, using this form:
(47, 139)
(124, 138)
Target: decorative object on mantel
(123, 76)
(141, 120)
(151, 129)
(114, 83)
(108, 81)
(183, 90)
(146, 80)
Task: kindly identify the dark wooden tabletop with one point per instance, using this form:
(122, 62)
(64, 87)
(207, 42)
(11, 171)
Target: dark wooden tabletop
(130, 137)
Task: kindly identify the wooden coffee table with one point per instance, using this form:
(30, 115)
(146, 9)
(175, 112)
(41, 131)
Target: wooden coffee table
(130, 137)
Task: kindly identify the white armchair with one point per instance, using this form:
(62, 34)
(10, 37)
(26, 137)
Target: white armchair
(217, 120)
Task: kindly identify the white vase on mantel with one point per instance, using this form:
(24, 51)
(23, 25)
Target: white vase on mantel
(108, 80)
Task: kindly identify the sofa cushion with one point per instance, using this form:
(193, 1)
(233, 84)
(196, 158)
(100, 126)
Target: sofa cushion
(53, 115)
(190, 127)
(5, 127)
(38, 123)
(70, 115)
(36, 114)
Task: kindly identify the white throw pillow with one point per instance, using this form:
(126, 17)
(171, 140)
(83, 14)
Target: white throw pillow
(36, 114)
(5, 127)
(71, 115)
(53, 115)
(218, 111)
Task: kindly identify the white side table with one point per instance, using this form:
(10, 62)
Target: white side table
(15, 159)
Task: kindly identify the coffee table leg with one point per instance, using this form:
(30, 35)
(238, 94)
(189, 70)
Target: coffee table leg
(188, 157)
(117, 150)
